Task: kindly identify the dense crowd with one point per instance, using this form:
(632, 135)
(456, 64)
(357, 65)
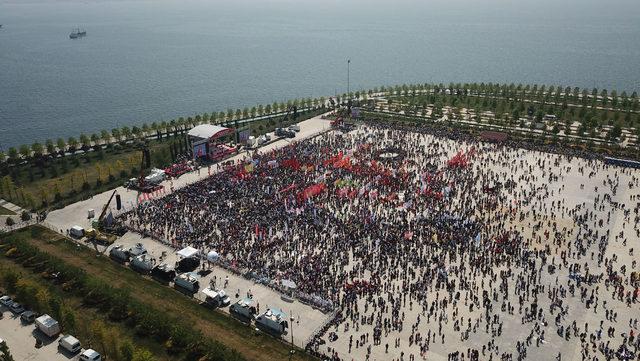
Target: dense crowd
(424, 241)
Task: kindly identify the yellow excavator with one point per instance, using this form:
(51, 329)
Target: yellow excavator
(103, 232)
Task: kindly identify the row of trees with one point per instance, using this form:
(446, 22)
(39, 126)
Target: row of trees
(510, 110)
(178, 337)
(558, 94)
(603, 98)
(61, 146)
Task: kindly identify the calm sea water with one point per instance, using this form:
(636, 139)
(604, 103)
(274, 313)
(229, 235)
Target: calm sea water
(153, 60)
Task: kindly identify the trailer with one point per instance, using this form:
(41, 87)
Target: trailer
(143, 263)
(187, 281)
(216, 298)
(243, 309)
(273, 321)
(47, 325)
(118, 253)
(163, 272)
(137, 250)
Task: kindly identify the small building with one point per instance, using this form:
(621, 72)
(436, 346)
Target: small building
(206, 142)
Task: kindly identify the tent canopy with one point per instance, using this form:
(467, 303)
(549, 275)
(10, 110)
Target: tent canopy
(188, 252)
(208, 131)
(289, 284)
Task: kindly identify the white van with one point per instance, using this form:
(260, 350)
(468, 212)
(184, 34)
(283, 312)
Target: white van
(69, 343)
(90, 355)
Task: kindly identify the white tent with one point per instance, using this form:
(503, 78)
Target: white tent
(289, 284)
(188, 252)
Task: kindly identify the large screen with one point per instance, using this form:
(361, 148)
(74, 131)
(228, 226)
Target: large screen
(200, 150)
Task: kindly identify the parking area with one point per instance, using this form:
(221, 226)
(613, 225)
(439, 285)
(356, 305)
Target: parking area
(21, 340)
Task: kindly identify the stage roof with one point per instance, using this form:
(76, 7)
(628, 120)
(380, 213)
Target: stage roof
(207, 131)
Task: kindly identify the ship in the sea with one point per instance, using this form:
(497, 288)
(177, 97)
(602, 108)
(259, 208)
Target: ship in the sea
(77, 33)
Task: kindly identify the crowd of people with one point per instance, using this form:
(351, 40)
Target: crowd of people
(427, 243)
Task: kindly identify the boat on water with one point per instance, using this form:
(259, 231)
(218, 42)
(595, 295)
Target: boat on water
(77, 33)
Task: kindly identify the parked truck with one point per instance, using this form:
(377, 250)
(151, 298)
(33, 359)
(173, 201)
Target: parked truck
(143, 263)
(273, 321)
(243, 309)
(137, 250)
(187, 281)
(47, 325)
(119, 253)
(216, 298)
(163, 273)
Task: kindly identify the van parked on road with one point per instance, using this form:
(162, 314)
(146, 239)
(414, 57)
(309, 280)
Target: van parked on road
(69, 343)
(90, 355)
(28, 317)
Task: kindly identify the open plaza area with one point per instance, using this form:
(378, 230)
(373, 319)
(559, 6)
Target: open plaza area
(404, 243)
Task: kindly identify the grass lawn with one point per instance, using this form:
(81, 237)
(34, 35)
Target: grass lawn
(213, 324)
(6, 212)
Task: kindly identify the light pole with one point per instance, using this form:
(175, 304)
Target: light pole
(348, 64)
(291, 319)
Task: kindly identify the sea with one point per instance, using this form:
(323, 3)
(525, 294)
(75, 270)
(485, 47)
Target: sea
(145, 61)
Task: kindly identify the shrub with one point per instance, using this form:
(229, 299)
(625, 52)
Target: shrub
(25, 216)
(10, 222)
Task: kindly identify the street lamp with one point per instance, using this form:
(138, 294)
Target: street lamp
(348, 63)
(291, 319)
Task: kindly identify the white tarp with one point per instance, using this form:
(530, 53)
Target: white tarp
(188, 252)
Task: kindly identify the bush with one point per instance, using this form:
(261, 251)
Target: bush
(25, 216)
(10, 222)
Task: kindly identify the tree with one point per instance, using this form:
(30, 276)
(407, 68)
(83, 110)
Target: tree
(5, 355)
(25, 151)
(126, 350)
(105, 136)
(615, 132)
(51, 148)
(126, 133)
(61, 145)
(13, 154)
(37, 149)
(84, 140)
(94, 138)
(141, 354)
(116, 134)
